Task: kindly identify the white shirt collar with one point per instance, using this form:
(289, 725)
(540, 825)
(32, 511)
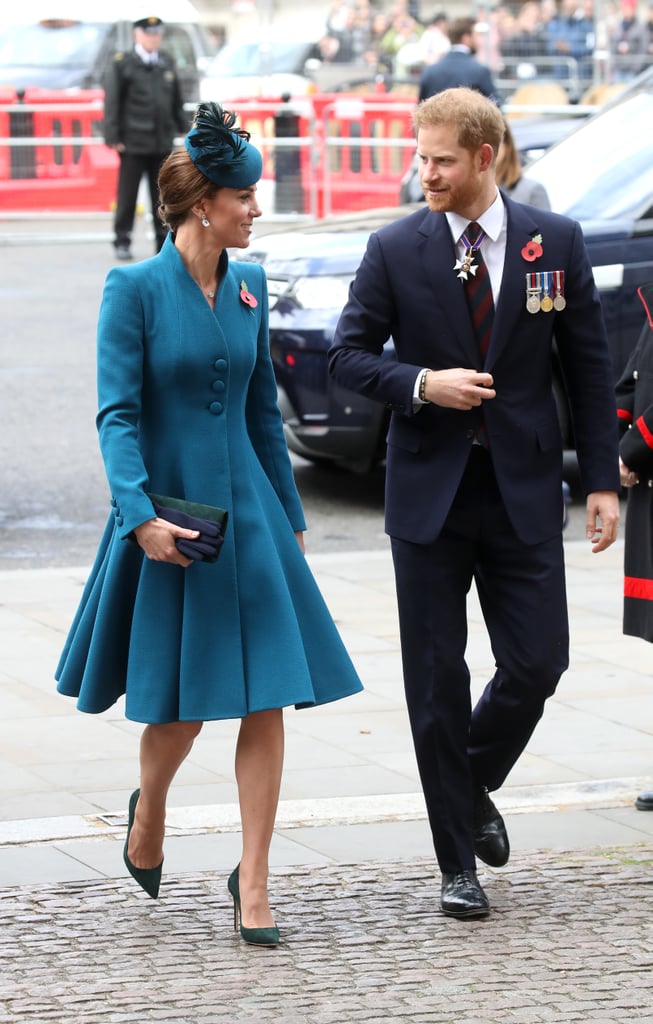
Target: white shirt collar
(147, 56)
(491, 220)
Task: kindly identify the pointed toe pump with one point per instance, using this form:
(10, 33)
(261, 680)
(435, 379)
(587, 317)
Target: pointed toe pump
(255, 936)
(149, 879)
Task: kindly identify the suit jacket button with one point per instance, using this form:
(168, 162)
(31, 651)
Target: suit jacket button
(469, 433)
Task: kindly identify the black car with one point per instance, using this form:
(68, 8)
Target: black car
(601, 175)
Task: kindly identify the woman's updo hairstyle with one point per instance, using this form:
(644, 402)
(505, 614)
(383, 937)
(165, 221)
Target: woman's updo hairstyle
(216, 154)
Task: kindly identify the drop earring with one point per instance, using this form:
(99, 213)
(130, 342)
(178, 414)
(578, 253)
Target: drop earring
(205, 222)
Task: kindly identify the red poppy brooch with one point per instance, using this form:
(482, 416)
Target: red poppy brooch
(247, 297)
(533, 249)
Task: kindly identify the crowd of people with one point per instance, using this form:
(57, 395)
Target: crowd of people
(395, 38)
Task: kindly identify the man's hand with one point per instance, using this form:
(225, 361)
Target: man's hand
(458, 388)
(603, 508)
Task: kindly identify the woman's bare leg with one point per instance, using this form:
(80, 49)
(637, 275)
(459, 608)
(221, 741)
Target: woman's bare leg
(163, 749)
(259, 762)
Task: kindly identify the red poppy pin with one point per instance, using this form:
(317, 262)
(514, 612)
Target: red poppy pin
(533, 249)
(247, 297)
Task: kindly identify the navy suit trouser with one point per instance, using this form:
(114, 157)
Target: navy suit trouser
(521, 589)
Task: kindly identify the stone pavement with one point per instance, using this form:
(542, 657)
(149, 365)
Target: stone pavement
(354, 885)
(569, 940)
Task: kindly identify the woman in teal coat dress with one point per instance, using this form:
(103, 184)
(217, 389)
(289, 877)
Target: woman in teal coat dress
(187, 408)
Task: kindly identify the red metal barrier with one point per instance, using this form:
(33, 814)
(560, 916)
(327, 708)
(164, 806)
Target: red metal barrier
(56, 174)
(353, 149)
(367, 144)
(7, 97)
(349, 151)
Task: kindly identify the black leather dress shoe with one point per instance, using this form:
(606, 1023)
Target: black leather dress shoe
(462, 895)
(644, 801)
(491, 843)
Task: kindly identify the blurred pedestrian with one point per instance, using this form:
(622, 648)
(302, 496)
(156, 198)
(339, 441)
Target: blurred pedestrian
(511, 178)
(635, 412)
(188, 410)
(403, 30)
(143, 112)
(435, 40)
(571, 36)
(474, 460)
(527, 40)
(458, 66)
(628, 42)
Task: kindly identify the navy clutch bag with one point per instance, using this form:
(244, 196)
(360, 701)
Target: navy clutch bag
(209, 520)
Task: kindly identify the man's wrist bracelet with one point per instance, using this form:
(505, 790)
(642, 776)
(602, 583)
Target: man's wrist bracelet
(421, 391)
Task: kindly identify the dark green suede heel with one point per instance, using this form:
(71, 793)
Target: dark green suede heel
(255, 936)
(149, 879)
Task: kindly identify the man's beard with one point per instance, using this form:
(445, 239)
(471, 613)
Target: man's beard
(455, 197)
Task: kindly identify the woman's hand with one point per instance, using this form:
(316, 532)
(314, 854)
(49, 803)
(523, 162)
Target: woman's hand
(300, 540)
(157, 539)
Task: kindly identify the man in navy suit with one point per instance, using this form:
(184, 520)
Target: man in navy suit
(474, 460)
(458, 66)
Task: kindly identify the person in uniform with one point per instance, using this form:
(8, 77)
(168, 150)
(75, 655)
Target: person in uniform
(635, 413)
(143, 112)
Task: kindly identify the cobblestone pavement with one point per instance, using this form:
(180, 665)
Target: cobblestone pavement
(360, 943)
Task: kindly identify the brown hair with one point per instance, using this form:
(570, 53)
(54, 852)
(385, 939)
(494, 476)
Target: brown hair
(181, 186)
(508, 170)
(460, 27)
(477, 119)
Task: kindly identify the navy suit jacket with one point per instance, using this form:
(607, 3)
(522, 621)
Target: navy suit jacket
(406, 287)
(454, 69)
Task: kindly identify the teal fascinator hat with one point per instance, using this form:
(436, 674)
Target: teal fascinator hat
(221, 151)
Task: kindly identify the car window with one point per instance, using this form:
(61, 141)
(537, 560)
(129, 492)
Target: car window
(51, 44)
(604, 170)
(261, 58)
(177, 42)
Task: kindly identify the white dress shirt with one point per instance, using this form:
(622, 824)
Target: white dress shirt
(494, 224)
(147, 56)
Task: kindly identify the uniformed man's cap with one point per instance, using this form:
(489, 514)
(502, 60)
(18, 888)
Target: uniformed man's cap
(150, 24)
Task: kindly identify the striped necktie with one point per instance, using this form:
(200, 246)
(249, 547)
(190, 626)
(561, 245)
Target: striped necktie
(478, 288)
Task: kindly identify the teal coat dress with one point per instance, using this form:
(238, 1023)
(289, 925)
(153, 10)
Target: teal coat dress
(187, 408)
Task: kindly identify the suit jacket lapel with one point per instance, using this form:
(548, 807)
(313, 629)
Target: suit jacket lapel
(521, 227)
